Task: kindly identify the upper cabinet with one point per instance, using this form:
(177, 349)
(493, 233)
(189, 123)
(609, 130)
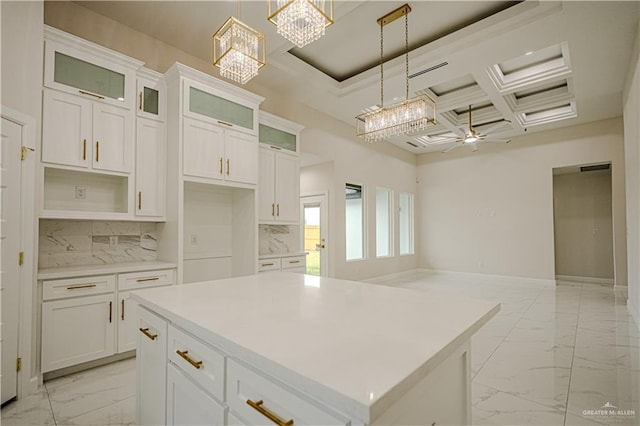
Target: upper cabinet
(152, 95)
(279, 198)
(85, 69)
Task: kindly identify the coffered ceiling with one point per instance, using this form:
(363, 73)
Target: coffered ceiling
(522, 66)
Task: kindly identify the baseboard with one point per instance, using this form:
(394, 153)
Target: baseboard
(383, 278)
(633, 310)
(591, 280)
(87, 365)
(504, 279)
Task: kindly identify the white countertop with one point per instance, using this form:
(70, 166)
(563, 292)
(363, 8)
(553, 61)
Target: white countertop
(85, 270)
(277, 255)
(351, 345)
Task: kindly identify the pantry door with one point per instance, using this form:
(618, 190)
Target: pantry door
(10, 163)
(315, 233)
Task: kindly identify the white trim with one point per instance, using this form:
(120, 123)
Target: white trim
(27, 384)
(326, 263)
(590, 280)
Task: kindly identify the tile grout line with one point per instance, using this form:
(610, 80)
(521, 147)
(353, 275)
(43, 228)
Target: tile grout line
(53, 415)
(573, 355)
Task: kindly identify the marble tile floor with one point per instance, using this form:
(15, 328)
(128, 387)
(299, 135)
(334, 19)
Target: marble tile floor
(552, 356)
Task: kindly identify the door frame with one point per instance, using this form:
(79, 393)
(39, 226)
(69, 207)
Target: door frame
(27, 377)
(325, 265)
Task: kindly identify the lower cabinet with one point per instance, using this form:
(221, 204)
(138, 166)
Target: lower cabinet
(188, 404)
(77, 330)
(295, 263)
(151, 368)
(127, 330)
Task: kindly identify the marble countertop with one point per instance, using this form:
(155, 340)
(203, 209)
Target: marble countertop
(277, 255)
(84, 270)
(349, 344)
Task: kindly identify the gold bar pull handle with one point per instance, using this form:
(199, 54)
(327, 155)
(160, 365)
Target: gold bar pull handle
(273, 209)
(228, 166)
(294, 261)
(95, 95)
(145, 331)
(110, 311)
(122, 310)
(220, 165)
(139, 200)
(268, 264)
(84, 149)
(140, 280)
(278, 209)
(140, 101)
(184, 355)
(76, 287)
(224, 123)
(260, 408)
(97, 151)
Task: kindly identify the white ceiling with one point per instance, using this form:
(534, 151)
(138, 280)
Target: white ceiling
(574, 73)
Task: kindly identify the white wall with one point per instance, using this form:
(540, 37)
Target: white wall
(492, 211)
(21, 85)
(631, 101)
(583, 225)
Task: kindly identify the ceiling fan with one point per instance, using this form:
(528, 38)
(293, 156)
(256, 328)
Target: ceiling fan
(472, 138)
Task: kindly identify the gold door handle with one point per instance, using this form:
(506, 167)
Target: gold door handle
(95, 95)
(145, 331)
(228, 166)
(294, 261)
(185, 356)
(84, 149)
(220, 165)
(260, 408)
(97, 151)
(267, 264)
(278, 209)
(122, 313)
(140, 200)
(273, 209)
(225, 123)
(76, 287)
(110, 311)
(147, 279)
(140, 101)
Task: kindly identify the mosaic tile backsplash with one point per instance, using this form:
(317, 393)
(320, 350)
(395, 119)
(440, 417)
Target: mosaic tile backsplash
(277, 239)
(85, 242)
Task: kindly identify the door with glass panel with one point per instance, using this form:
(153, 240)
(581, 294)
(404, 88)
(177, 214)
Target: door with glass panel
(314, 233)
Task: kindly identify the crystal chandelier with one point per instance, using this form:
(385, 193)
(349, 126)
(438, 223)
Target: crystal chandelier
(238, 50)
(402, 118)
(301, 21)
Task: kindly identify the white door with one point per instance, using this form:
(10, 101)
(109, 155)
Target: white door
(315, 230)
(266, 181)
(127, 330)
(203, 149)
(113, 136)
(189, 404)
(150, 167)
(10, 246)
(66, 129)
(241, 151)
(287, 189)
(151, 368)
(77, 330)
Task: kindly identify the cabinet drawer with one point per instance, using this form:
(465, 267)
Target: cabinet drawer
(246, 389)
(202, 363)
(137, 280)
(72, 287)
(268, 265)
(293, 262)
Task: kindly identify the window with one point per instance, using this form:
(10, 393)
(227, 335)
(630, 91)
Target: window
(354, 221)
(406, 223)
(384, 222)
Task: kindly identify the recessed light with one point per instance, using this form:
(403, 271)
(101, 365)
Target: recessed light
(529, 53)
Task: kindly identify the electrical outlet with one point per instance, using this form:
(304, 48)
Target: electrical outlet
(113, 241)
(193, 238)
(81, 192)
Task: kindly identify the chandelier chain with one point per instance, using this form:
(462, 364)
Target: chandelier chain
(381, 65)
(406, 46)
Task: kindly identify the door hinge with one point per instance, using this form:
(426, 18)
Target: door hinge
(20, 258)
(18, 364)
(23, 152)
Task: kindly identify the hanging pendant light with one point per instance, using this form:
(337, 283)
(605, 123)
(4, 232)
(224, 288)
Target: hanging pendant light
(402, 118)
(301, 21)
(238, 50)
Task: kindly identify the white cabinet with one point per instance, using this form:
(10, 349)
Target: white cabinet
(151, 96)
(187, 404)
(285, 263)
(151, 368)
(127, 330)
(150, 168)
(82, 133)
(279, 199)
(77, 330)
(211, 151)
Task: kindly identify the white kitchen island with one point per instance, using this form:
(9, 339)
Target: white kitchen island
(292, 349)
